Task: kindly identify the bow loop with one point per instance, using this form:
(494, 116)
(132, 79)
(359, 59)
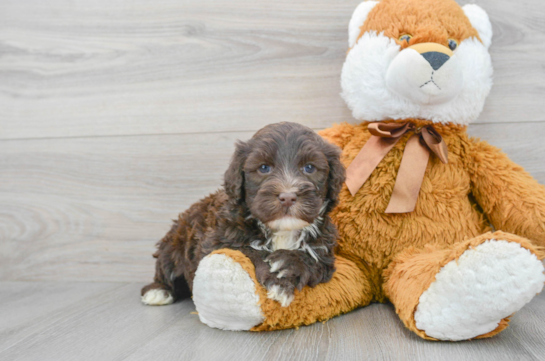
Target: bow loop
(435, 143)
(413, 164)
(389, 130)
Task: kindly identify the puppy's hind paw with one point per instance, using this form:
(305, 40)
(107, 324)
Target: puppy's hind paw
(281, 295)
(157, 297)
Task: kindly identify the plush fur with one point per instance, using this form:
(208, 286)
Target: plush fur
(447, 274)
(278, 217)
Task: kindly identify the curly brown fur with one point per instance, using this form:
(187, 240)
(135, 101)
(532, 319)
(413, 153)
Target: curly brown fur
(273, 207)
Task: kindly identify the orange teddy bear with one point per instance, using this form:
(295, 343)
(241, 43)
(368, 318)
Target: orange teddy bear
(421, 198)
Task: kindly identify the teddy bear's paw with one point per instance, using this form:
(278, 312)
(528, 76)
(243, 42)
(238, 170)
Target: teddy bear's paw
(471, 295)
(225, 295)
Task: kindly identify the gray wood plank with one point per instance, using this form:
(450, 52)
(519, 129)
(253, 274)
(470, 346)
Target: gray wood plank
(109, 323)
(92, 202)
(161, 67)
(25, 306)
(104, 326)
(91, 209)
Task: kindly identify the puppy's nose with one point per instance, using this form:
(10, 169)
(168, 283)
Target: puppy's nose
(287, 199)
(436, 59)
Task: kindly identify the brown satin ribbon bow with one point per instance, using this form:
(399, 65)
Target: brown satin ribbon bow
(413, 164)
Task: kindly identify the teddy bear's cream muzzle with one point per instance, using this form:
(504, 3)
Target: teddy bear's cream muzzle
(426, 73)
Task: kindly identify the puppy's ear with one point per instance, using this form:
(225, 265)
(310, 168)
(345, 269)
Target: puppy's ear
(233, 180)
(337, 174)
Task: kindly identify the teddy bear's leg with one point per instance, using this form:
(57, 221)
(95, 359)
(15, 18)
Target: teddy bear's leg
(467, 291)
(228, 296)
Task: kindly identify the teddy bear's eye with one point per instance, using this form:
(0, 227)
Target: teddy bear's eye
(452, 44)
(405, 37)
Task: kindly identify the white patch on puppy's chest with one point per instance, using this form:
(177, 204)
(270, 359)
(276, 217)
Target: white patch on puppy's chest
(285, 240)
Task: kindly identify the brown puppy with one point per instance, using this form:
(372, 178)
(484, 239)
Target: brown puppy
(278, 191)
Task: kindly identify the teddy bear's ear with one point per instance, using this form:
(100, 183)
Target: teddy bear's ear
(357, 20)
(480, 21)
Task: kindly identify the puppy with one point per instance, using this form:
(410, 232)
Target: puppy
(278, 191)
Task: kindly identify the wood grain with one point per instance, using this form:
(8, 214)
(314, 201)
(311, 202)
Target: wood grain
(118, 67)
(98, 321)
(26, 307)
(91, 209)
(91, 202)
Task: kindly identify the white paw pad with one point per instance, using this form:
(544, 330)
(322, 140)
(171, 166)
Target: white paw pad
(277, 294)
(470, 296)
(224, 294)
(157, 297)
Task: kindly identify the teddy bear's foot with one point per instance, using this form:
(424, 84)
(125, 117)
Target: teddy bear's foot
(473, 294)
(225, 294)
(228, 295)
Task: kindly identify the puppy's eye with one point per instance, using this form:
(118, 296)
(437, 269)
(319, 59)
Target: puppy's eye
(405, 37)
(452, 44)
(264, 169)
(309, 168)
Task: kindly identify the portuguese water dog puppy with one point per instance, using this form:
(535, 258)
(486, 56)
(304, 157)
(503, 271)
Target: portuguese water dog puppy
(278, 191)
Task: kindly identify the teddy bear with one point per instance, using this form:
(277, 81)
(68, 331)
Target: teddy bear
(444, 226)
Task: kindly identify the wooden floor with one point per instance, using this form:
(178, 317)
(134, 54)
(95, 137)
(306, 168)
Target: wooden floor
(115, 115)
(105, 321)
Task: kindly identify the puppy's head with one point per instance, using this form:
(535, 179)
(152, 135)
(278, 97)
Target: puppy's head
(287, 175)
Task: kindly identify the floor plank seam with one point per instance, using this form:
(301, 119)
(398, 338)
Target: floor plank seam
(217, 132)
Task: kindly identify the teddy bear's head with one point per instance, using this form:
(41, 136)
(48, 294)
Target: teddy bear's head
(424, 59)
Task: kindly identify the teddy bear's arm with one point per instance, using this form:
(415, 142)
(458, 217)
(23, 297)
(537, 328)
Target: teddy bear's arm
(513, 200)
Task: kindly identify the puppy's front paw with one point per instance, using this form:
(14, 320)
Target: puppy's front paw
(281, 291)
(287, 265)
(278, 289)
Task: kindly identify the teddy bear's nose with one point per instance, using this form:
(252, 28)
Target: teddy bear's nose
(435, 58)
